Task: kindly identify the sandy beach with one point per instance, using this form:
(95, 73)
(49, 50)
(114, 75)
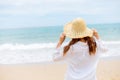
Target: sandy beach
(107, 70)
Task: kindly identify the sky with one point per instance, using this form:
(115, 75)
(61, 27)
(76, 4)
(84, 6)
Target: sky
(36, 13)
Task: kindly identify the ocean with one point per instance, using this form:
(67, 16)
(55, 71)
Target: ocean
(37, 44)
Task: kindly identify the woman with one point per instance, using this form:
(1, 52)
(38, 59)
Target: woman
(83, 51)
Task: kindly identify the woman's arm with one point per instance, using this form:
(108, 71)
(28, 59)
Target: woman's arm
(61, 40)
(95, 34)
(58, 54)
(102, 48)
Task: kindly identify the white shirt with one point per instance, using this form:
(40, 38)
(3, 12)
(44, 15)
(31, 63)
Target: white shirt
(81, 65)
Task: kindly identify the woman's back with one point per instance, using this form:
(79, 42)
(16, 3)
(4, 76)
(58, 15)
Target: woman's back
(79, 55)
(81, 65)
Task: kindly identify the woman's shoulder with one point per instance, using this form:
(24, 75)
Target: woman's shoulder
(101, 45)
(79, 46)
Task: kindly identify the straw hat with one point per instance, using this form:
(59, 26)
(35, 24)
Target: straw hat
(77, 29)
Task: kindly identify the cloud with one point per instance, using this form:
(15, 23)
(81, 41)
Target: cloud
(43, 7)
(31, 12)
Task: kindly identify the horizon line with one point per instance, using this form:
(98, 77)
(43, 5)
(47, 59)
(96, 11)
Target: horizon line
(56, 25)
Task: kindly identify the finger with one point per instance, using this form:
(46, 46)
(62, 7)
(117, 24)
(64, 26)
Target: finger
(94, 30)
(62, 35)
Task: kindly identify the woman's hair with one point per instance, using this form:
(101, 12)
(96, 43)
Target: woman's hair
(90, 42)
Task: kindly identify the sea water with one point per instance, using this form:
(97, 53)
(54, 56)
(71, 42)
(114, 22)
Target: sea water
(37, 44)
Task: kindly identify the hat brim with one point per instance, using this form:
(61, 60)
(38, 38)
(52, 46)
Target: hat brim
(69, 32)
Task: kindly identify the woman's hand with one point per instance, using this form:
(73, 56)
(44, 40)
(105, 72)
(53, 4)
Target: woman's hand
(61, 40)
(95, 33)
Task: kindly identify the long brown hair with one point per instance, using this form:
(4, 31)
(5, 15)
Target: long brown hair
(90, 42)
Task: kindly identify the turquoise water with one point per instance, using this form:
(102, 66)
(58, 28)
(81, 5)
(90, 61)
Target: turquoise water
(30, 35)
(35, 45)
(108, 32)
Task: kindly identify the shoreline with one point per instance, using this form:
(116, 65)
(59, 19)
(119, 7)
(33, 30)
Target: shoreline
(47, 62)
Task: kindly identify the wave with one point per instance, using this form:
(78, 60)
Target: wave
(26, 46)
(40, 52)
(17, 46)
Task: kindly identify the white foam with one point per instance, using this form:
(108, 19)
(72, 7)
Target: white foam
(112, 42)
(39, 52)
(27, 46)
